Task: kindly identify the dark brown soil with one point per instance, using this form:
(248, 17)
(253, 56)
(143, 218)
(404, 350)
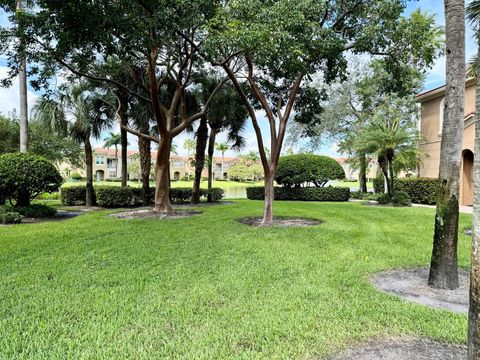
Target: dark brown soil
(60, 216)
(411, 285)
(150, 214)
(403, 349)
(281, 221)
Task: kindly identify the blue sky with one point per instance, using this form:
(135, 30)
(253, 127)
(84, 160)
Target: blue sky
(435, 78)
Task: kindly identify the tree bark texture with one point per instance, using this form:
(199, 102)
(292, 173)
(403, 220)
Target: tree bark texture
(202, 139)
(124, 145)
(144, 146)
(211, 150)
(89, 163)
(443, 268)
(362, 176)
(162, 171)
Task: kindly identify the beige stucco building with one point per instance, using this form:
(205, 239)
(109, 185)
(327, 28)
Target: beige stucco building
(105, 166)
(430, 125)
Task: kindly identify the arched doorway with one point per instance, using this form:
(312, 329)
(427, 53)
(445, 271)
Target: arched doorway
(176, 176)
(467, 178)
(100, 175)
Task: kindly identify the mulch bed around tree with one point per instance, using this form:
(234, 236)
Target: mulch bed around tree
(281, 221)
(150, 214)
(411, 285)
(60, 216)
(403, 348)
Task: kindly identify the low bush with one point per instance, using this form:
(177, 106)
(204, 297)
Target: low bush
(36, 211)
(421, 190)
(47, 196)
(9, 216)
(363, 196)
(117, 197)
(401, 198)
(76, 176)
(301, 194)
(74, 195)
(379, 184)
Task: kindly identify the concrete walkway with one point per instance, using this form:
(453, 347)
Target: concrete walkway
(463, 209)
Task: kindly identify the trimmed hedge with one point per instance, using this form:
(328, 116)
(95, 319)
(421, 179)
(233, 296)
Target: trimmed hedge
(36, 211)
(421, 190)
(301, 194)
(118, 197)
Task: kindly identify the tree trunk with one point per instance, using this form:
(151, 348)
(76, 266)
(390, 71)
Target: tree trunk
(23, 119)
(391, 176)
(89, 164)
(124, 145)
(202, 138)
(145, 166)
(362, 176)
(162, 172)
(22, 79)
(269, 197)
(211, 150)
(443, 268)
(383, 163)
(474, 312)
(116, 162)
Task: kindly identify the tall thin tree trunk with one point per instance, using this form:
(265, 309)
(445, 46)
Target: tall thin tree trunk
(162, 172)
(474, 312)
(211, 150)
(89, 163)
(116, 161)
(22, 79)
(144, 147)
(444, 264)
(202, 138)
(124, 145)
(362, 176)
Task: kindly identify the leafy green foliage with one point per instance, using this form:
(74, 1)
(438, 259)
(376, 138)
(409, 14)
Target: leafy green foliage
(297, 170)
(118, 197)
(401, 198)
(25, 176)
(301, 194)
(76, 176)
(420, 190)
(9, 216)
(36, 211)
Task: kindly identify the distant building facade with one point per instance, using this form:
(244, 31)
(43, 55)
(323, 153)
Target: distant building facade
(106, 167)
(430, 126)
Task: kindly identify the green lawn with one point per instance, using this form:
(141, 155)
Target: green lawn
(209, 287)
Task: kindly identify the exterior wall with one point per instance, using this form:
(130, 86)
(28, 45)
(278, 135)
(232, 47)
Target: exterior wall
(431, 132)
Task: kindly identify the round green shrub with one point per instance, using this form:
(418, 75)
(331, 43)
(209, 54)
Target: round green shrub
(25, 176)
(401, 198)
(9, 216)
(76, 176)
(297, 170)
(36, 211)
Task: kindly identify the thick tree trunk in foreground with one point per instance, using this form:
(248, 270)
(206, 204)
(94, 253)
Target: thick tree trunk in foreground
(162, 175)
(211, 150)
(89, 164)
(474, 312)
(362, 176)
(202, 138)
(144, 146)
(443, 268)
(269, 197)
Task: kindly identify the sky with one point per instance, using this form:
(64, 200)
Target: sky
(9, 97)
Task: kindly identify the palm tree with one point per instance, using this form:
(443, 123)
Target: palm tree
(113, 140)
(222, 147)
(22, 78)
(90, 115)
(189, 145)
(444, 262)
(473, 14)
(390, 135)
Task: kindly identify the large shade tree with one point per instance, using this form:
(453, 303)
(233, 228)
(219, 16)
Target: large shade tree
(156, 36)
(273, 57)
(444, 262)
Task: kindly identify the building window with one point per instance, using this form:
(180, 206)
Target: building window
(100, 160)
(111, 174)
(177, 164)
(111, 163)
(440, 120)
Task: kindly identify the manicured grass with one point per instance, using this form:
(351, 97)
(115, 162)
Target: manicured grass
(208, 287)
